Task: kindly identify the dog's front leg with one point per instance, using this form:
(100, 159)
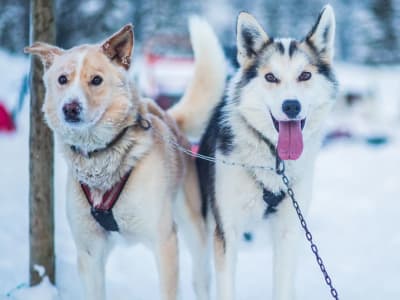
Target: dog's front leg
(285, 248)
(167, 260)
(286, 235)
(91, 263)
(225, 253)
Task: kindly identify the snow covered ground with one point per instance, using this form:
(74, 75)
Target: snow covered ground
(354, 217)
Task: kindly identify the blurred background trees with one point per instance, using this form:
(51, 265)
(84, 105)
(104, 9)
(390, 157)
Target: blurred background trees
(368, 31)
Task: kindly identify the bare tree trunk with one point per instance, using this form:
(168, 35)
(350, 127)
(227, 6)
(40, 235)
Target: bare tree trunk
(41, 153)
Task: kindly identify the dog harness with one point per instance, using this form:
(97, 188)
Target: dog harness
(140, 121)
(272, 200)
(102, 212)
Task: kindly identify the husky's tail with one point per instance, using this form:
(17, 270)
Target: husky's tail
(206, 88)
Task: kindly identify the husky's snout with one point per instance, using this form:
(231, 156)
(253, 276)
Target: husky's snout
(72, 111)
(291, 108)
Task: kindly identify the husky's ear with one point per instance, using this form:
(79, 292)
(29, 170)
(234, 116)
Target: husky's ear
(119, 46)
(46, 52)
(250, 38)
(322, 35)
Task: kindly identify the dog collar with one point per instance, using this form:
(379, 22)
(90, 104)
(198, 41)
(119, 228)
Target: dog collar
(89, 154)
(140, 121)
(102, 212)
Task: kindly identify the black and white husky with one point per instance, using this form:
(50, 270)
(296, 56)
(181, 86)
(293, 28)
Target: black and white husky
(274, 106)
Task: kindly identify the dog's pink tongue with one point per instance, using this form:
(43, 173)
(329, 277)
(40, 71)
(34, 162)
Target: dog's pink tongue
(290, 141)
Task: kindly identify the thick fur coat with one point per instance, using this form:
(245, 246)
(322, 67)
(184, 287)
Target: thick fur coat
(97, 117)
(274, 108)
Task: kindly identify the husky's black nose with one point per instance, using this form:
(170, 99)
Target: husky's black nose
(72, 111)
(291, 108)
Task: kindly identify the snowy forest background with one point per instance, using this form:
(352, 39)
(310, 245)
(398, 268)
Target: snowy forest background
(368, 30)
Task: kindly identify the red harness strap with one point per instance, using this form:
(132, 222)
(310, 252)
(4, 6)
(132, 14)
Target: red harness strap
(102, 212)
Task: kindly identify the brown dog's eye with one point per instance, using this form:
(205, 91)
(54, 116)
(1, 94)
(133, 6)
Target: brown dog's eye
(304, 76)
(271, 78)
(97, 80)
(62, 79)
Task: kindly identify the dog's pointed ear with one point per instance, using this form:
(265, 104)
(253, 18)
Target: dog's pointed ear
(250, 37)
(119, 46)
(322, 35)
(46, 52)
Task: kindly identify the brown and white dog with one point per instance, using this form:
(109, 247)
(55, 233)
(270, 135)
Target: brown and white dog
(115, 141)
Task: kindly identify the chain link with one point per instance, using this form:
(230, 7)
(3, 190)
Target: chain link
(307, 232)
(189, 152)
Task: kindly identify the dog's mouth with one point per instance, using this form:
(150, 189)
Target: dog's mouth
(290, 139)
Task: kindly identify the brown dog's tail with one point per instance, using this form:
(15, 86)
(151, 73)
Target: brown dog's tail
(206, 88)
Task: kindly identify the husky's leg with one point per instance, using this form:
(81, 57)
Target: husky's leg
(284, 261)
(286, 232)
(199, 250)
(201, 268)
(166, 252)
(225, 253)
(194, 232)
(193, 226)
(91, 264)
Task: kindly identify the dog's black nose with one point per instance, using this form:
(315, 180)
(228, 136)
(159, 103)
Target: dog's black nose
(72, 111)
(291, 108)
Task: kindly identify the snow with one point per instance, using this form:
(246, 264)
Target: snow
(354, 216)
(44, 291)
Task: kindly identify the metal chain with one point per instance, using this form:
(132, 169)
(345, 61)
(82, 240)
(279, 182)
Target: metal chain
(189, 152)
(281, 171)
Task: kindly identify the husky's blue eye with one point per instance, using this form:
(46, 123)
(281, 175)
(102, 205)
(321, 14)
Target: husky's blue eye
(271, 78)
(97, 80)
(304, 76)
(62, 79)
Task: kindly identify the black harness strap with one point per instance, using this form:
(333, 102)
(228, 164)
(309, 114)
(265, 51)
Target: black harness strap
(272, 200)
(105, 218)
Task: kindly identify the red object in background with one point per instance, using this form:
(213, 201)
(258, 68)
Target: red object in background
(6, 121)
(166, 68)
